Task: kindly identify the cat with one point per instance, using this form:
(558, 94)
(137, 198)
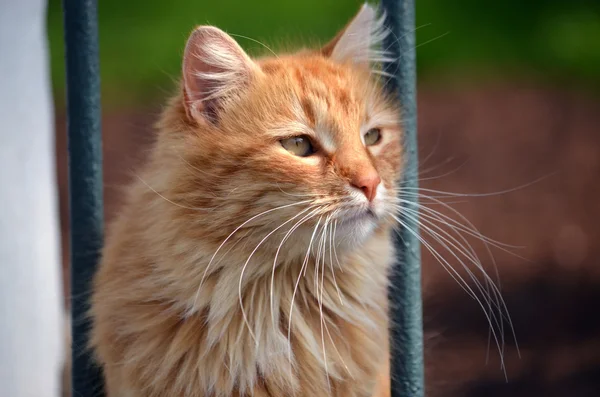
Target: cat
(252, 253)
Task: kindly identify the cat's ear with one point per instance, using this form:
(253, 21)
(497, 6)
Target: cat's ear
(215, 68)
(358, 42)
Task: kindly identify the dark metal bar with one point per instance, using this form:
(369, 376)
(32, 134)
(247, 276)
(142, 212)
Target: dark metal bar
(85, 180)
(406, 332)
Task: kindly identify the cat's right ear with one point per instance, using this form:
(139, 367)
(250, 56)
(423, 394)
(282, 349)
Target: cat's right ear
(215, 68)
(360, 41)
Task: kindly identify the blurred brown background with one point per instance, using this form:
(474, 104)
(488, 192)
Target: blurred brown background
(508, 96)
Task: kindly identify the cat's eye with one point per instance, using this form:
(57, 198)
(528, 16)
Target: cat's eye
(373, 136)
(298, 145)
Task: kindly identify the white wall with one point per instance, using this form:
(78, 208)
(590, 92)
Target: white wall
(30, 287)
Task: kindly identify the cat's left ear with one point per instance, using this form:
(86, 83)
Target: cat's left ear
(358, 42)
(215, 69)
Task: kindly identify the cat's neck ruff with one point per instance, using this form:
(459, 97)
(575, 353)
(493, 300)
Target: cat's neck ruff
(307, 309)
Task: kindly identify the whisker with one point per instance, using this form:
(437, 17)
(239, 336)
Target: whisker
(338, 352)
(283, 240)
(471, 230)
(301, 195)
(465, 250)
(481, 194)
(335, 247)
(430, 155)
(248, 261)
(200, 170)
(231, 234)
(431, 219)
(443, 175)
(339, 295)
(433, 39)
(436, 166)
(318, 255)
(255, 41)
(331, 247)
(304, 264)
(402, 191)
(455, 225)
(323, 325)
(453, 273)
(487, 243)
(397, 40)
(170, 201)
(453, 245)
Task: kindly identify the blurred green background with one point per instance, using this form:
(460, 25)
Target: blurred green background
(141, 40)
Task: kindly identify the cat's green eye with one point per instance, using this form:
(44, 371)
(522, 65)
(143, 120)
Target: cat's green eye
(298, 145)
(373, 136)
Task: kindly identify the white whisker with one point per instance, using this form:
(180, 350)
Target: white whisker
(331, 248)
(430, 155)
(231, 234)
(255, 41)
(455, 275)
(456, 169)
(304, 264)
(472, 231)
(170, 201)
(312, 214)
(481, 194)
(335, 248)
(451, 247)
(248, 261)
(323, 325)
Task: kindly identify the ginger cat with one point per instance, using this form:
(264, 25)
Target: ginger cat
(251, 257)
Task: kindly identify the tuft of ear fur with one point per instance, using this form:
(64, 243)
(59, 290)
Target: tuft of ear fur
(215, 67)
(360, 41)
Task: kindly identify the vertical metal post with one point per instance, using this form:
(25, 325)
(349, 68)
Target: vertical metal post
(406, 332)
(85, 180)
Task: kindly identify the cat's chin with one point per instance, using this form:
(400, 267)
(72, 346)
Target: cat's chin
(355, 230)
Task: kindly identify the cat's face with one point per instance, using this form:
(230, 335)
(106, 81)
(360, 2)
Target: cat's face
(310, 138)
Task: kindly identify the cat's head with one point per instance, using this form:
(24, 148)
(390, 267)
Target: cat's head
(301, 139)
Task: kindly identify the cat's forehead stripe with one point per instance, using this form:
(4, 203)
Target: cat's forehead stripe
(329, 103)
(336, 106)
(308, 111)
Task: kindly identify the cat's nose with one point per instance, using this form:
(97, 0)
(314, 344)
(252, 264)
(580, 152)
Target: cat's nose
(367, 182)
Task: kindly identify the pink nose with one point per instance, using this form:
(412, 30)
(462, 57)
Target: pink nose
(367, 182)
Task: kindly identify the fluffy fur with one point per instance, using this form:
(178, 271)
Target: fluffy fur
(236, 268)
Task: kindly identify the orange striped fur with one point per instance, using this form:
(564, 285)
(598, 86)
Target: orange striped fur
(237, 268)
